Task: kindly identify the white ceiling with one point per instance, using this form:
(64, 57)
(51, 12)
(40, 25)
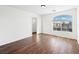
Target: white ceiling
(39, 10)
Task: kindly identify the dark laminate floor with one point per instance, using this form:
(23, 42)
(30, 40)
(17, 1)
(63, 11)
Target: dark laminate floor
(41, 44)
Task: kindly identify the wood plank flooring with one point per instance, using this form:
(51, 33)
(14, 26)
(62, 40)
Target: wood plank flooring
(41, 44)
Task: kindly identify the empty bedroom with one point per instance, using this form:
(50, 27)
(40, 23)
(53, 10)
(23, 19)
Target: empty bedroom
(39, 29)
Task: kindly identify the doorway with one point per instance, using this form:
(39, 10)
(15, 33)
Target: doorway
(34, 25)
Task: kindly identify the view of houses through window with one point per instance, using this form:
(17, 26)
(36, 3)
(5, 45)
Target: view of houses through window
(62, 23)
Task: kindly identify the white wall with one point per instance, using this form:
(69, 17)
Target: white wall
(48, 24)
(78, 24)
(15, 24)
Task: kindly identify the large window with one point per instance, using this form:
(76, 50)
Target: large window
(62, 23)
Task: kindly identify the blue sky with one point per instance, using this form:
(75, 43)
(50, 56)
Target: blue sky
(63, 18)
